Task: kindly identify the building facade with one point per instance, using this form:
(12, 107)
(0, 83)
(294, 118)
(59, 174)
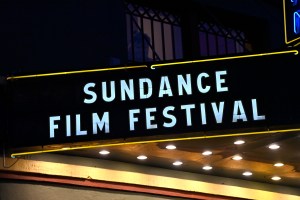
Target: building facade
(136, 72)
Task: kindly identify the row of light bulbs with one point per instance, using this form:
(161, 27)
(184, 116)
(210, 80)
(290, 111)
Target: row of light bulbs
(207, 153)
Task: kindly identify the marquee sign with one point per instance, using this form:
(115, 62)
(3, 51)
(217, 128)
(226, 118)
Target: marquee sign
(291, 10)
(202, 97)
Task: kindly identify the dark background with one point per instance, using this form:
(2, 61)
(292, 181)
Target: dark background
(52, 35)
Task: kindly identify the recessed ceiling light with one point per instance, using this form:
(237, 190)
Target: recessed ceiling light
(238, 142)
(274, 146)
(171, 147)
(177, 163)
(278, 164)
(206, 153)
(275, 178)
(207, 167)
(104, 152)
(247, 173)
(237, 157)
(142, 157)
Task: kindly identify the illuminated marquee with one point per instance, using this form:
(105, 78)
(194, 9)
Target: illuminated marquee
(203, 97)
(149, 117)
(291, 20)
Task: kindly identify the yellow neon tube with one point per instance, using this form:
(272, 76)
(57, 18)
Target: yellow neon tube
(152, 66)
(284, 22)
(297, 44)
(75, 72)
(13, 155)
(295, 52)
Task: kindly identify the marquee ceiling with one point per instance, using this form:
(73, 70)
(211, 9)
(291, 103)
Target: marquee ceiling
(257, 157)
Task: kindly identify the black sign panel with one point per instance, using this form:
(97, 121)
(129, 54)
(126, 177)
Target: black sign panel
(251, 91)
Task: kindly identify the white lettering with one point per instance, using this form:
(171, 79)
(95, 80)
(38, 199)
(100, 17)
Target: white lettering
(112, 91)
(184, 84)
(203, 113)
(89, 92)
(150, 118)
(142, 82)
(199, 83)
(100, 123)
(133, 119)
(220, 81)
(125, 89)
(52, 125)
(218, 112)
(78, 126)
(187, 109)
(165, 87)
(169, 116)
(238, 108)
(68, 125)
(254, 109)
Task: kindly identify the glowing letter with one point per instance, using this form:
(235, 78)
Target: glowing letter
(255, 115)
(218, 112)
(112, 91)
(238, 108)
(128, 90)
(150, 118)
(165, 87)
(143, 95)
(52, 125)
(133, 119)
(297, 22)
(294, 2)
(186, 84)
(100, 123)
(199, 83)
(203, 113)
(187, 109)
(78, 126)
(219, 81)
(68, 125)
(169, 116)
(87, 91)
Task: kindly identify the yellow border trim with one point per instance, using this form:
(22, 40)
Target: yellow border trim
(75, 72)
(295, 52)
(297, 44)
(285, 28)
(14, 155)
